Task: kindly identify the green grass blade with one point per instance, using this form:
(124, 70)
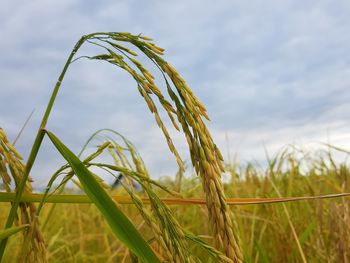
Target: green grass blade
(307, 232)
(11, 231)
(121, 226)
(262, 252)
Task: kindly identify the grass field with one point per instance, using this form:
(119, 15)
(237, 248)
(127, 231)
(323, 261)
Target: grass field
(174, 219)
(78, 232)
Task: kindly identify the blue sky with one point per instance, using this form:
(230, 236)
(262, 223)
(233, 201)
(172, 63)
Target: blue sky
(269, 72)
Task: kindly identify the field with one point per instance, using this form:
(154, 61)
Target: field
(173, 219)
(78, 232)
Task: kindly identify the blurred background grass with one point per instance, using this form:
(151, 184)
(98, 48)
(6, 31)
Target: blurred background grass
(78, 233)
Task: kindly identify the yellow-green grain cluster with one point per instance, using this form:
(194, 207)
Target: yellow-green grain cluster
(185, 112)
(167, 232)
(205, 155)
(11, 167)
(189, 112)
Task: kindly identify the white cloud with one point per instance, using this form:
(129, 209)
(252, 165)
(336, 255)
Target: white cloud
(273, 72)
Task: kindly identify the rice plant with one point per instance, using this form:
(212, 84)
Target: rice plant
(186, 114)
(294, 210)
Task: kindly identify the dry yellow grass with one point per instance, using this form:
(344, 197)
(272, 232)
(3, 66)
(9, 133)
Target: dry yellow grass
(34, 249)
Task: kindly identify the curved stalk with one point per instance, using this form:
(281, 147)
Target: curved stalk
(37, 143)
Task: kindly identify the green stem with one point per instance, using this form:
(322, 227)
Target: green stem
(37, 143)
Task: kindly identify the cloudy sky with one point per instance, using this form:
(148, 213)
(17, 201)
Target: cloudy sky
(269, 72)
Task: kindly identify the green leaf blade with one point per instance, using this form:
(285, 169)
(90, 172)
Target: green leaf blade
(121, 226)
(11, 231)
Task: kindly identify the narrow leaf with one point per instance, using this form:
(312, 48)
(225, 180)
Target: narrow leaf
(121, 226)
(307, 232)
(11, 231)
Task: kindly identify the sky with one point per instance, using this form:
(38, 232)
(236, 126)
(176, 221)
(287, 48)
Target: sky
(270, 73)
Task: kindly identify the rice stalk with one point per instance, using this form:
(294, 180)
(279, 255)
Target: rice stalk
(185, 111)
(21, 185)
(205, 156)
(166, 230)
(11, 167)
